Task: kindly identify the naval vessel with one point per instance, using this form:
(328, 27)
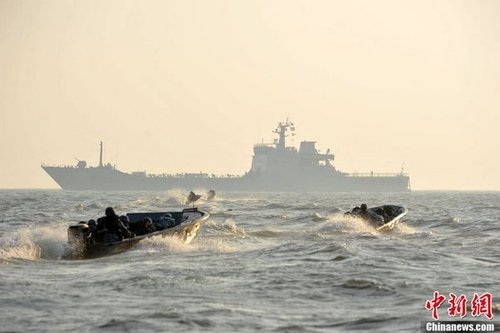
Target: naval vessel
(275, 167)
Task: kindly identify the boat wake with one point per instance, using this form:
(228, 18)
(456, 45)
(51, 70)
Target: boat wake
(345, 224)
(164, 244)
(81, 207)
(338, 223)
(226, 228)
(404, 229)
(44, 242)
(172, 244)
(175, 197)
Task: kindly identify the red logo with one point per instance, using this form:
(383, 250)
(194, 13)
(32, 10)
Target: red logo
(480, 305)
(458, 305)
(434, 304)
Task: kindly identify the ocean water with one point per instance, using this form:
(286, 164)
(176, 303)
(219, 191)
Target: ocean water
(271, 262)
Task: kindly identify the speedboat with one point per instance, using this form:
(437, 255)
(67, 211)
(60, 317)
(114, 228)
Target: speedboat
(382, 218)
(83, 243)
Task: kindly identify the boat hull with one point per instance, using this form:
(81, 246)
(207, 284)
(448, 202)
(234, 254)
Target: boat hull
(109, 179)
(186, 231)
(400, 212)
(382, 218)
(275, 168)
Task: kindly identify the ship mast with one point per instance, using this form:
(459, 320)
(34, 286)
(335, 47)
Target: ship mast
(100, 156)
(281, 131)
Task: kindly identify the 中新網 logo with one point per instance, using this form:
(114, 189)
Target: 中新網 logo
(479, 305)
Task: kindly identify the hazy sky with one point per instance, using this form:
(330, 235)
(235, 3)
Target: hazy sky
(189, 86)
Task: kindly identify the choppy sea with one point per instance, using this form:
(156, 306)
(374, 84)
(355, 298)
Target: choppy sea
(271, 262)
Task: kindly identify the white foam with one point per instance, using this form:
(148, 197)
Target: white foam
(163, 244)
(346, 224)
(175, 245)
(32, 243)
(228, 227)
(405, 229)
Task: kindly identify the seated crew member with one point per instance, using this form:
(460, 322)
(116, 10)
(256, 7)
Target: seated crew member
(125, 220)
(164, 222)
(370, 216)
(354, 212)
(363, 212)
(110, 224)
(144, 227)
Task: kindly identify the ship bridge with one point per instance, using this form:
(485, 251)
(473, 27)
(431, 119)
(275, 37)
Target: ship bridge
(277, 158)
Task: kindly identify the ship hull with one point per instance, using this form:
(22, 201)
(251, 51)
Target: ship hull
(110, 179)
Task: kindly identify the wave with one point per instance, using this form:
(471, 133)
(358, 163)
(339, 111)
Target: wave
(278, 206)
(32, 243)
(316, 217)
(452, 219)
(306, 206)
(361, 284)
(405, 229)
(266, 234)
(346, 224)
(338, 223)
(210, 240)
(332, 248)
(163, 244)
(174, 197)
(81, 207)
(172, 244)
(222, 214)
(226, 228)
(127, 325)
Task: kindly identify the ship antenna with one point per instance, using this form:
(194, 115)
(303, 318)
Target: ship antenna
(100, 155)
(281, 131)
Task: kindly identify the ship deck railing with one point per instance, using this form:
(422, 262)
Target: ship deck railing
(190, 175)
(375, 174)
(59, 166)
(65, 166)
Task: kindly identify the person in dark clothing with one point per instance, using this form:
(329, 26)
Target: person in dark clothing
(125, 220)
(111, 224)
(367, 215)
(370, 216)
(148, 225)
(363, 212)
(92, 225)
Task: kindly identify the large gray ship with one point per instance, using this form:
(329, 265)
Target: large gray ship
(275, 167)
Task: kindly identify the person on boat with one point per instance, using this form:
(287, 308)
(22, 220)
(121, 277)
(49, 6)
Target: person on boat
(353, 212)
(165, 222)
(125, 220)
(92, 226)
(363, 212)
(111, 226)
(385, 215)
(366, 214)
(147, 226)
(370, 216)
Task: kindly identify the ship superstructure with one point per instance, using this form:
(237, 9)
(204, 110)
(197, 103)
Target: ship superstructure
(275, 167)
(276, 158)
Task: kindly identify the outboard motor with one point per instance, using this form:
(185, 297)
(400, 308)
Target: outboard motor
(78, 234)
